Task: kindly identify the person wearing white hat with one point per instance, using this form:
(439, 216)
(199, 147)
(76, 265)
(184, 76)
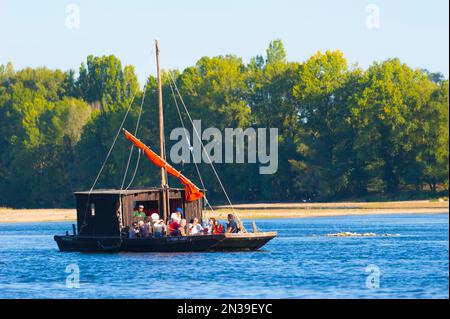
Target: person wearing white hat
(174, 225)
(158, 225)
(155, 217)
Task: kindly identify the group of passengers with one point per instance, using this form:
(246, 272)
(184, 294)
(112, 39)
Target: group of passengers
(154, 226)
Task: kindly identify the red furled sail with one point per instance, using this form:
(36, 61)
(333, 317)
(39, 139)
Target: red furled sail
(192, 191)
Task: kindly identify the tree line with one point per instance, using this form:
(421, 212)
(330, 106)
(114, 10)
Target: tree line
(343, 131)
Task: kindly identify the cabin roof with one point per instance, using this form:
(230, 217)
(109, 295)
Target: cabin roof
(124, 192)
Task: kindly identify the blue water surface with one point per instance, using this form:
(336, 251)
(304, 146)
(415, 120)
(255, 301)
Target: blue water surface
(300, 263)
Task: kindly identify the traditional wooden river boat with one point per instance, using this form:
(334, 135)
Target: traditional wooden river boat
(100, 227)
(104, 216)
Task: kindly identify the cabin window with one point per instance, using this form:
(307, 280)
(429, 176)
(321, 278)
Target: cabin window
(92, 209)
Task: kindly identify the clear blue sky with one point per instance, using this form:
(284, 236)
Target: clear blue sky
(34, 33)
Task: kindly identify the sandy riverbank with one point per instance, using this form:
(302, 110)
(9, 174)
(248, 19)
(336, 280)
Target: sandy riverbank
(301, 210)
(257, 211)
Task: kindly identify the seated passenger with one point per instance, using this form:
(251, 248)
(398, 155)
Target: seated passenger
(218, 228)
(189, 227)
(134, 231)
(182, 229)
(174, 225)
(158, 226)
(232, 226)
(214, 227)
(208, 230)
(196, 228)
(145, 228)
(179, 213)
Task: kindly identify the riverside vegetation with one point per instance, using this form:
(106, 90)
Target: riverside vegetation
(344, 132)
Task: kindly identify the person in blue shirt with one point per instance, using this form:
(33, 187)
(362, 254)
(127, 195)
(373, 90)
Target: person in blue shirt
(232, 226)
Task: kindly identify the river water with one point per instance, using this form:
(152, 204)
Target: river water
(302, 262)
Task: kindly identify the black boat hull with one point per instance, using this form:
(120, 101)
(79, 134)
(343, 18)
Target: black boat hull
(222, 242)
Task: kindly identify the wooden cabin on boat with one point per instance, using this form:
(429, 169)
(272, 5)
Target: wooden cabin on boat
(107, 212)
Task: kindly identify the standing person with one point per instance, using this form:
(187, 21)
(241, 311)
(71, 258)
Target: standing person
(232, 226)
(139, 213)
(158, 226)
(174, 225)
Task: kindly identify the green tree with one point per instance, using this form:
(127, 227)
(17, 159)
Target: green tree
(388, 109)
(322, 116)
(104, 83)
(270, 95)
(39, 128)
(432, 140)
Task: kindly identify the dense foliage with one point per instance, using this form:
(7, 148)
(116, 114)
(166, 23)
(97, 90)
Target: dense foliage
(344, 131)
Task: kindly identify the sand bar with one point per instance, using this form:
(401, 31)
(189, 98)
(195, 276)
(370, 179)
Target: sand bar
(258, 211)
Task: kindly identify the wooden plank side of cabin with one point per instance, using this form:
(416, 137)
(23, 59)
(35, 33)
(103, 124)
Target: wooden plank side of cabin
(193, 210)
(127, 210)
(97, 214)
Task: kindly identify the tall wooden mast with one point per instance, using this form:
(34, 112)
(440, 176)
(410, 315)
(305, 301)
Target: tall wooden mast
(161, 134)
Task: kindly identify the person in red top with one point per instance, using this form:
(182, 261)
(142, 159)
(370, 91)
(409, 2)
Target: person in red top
(217, 228)
(174, 225)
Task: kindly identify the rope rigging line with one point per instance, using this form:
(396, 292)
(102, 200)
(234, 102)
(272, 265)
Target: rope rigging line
(187, 137)
(107, 156)
(114, 142)
(190, 147)
(203, 147)
(135, 169)
(132, 147)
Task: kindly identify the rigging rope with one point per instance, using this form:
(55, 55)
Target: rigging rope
(135, 169)
(114, 142)
(203, 148)
(107, 157)
(132, 147)
(190, 147)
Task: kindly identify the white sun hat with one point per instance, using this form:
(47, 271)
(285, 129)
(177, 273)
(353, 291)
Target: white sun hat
(174, 216)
